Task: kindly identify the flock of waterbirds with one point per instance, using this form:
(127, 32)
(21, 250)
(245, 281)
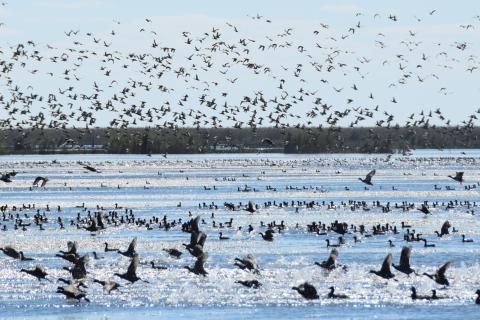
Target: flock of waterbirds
(209, 71)
(210, 65)
(96, 221)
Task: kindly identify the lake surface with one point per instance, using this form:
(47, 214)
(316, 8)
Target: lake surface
(183, 186)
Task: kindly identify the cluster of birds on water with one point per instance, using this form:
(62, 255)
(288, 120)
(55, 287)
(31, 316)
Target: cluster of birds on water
(213, 63)
(96, 222)
(76, 286)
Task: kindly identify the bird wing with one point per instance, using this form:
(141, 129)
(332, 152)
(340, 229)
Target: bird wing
(386, 263)
(250, 261)
(40, 268)
(132, 268)
(405, 257)
(441, 271)
(202, 237)
(44, 182)
(370, 174)
(195, 223)
(73, 247)
(201, 261)
(460, 175)
(37, 180)
(133, 244)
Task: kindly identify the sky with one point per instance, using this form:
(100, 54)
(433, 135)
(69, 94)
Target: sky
(413, 64)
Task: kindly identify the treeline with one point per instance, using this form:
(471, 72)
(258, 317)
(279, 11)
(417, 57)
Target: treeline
(207, 140)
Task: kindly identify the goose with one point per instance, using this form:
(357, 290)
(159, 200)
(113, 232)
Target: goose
(108, 249)
(385, 272)
(38, 272)
(248, 262)
(307, 291)
(415, 296)
(251, 207)
(458, 177)
(439, 276)
(198, 267)
(37, 180)
(11, 252)
(108, 285)
(152, 263)
(424, 209)
(427, 245)
(250, 283)
(222, 237)
(78, 270)
(336, 245)
(268, 236)
(368, 178)
(173, 252)
(404, 263)
(72, 291)
(332, 294)
(131, 274)
(330, 263)
(130, 252)
(466, 240)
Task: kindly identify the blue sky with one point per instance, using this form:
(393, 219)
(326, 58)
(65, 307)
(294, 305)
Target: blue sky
(445, 82)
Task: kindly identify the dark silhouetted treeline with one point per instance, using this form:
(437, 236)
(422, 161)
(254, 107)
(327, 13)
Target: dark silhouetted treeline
(208, 140)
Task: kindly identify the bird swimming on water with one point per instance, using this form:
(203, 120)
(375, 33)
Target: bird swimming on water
(333, 295)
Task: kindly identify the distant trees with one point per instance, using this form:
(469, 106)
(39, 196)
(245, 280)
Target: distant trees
(204, 140)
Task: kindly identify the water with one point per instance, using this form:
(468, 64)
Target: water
(155, 186)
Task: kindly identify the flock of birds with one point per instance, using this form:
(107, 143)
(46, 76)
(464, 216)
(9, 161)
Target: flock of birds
(212, 65)
(97, 80)
(99, 220)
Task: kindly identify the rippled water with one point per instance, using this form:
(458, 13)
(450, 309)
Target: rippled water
(155, 186)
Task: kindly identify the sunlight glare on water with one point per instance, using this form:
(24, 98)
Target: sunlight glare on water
(155, 186)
